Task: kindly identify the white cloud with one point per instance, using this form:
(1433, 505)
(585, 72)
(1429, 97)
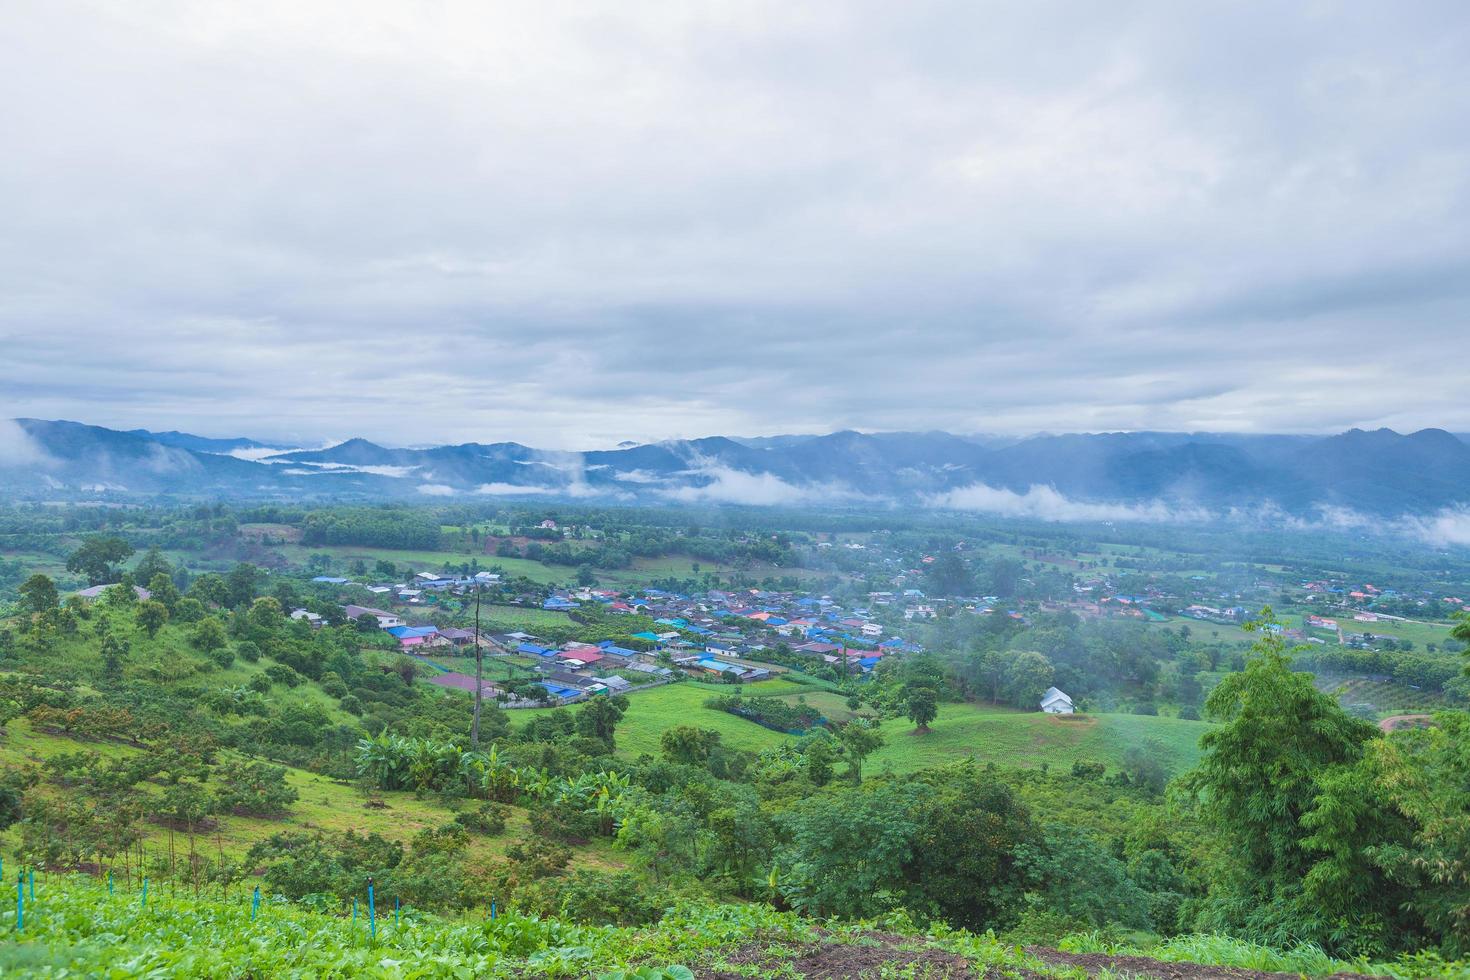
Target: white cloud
(635, 476)
(435, 490)
(731, 486)
(1058, 217)
(1450, 526)
(508, 489)
(18, 449)
(1047, 504)
(256, 454)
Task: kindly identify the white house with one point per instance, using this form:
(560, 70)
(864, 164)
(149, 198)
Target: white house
(1054, 702)
(386, 620)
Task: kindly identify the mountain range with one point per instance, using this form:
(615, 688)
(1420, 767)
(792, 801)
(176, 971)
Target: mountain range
(1099, 476)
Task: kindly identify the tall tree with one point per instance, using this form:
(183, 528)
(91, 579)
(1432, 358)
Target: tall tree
(1263, 768)
(861, 738)
(97, 558)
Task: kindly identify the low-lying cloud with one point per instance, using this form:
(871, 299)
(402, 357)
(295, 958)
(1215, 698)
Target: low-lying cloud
(1046, 503)
(731, 486)
(509, 489)
(18, 449)
(1450, 526)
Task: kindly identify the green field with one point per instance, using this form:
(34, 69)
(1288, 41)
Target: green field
(1022, 739)
(1027, 739)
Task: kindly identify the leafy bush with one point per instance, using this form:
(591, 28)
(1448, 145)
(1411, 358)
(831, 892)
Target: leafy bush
(255, 789)
(488, 819)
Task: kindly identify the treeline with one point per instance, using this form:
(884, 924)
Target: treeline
(770, 712)
(377, 527)
(1429, 672)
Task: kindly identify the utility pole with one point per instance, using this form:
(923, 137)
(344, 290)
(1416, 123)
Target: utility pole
(479, 672)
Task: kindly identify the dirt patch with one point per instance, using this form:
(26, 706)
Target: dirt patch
(869, 957)
(1142, 966)
(1405, 721)
(270, 533)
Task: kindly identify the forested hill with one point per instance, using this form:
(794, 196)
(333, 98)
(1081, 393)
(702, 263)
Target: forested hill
(1110, 476)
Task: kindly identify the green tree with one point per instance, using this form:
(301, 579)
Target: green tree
(599, 717)
(264, 621)
(688, 744)
(210, 589)
(860, 738)
(161, 587)
(1262, 771)
(151, 565)
(241, 584)
(968, 828)
(819, 753)
(209, 634)
(38, 594)
(844, 854)
(152, 614)
(114, 652)
(921, 706)
(97, 557)
(1027, 677)
(947, 575)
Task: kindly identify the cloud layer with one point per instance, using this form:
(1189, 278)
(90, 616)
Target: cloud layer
(575, 223)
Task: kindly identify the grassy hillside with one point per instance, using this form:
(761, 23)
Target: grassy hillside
(1004, 736)
(324, 805)
(1027, 739)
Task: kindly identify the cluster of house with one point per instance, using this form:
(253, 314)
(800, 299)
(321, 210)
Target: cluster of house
(726, 635)
(715, 627)
(421, 588)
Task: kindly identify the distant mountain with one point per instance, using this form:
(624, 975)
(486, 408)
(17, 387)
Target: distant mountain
(204, 444)
(1382, 473)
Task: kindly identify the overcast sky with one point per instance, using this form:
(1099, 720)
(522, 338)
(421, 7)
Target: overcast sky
(571, 224)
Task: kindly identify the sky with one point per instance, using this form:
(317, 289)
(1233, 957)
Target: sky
(570, 224)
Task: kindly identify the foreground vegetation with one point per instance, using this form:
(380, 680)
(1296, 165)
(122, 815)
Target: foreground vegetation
(77, 927)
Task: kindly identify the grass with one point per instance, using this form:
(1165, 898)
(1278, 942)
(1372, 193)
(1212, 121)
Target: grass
(1027, 739)
(1006, 737)
(1306, 960)
(654, 711)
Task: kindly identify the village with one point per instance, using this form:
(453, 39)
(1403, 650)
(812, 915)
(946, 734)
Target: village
(736, 637)
(743, 636)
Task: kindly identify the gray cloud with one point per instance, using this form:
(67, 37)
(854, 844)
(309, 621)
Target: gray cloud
(571, 224)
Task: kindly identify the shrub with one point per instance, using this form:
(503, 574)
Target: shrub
(488, 819)
(282, 674)
(332, 684)
(254, 788)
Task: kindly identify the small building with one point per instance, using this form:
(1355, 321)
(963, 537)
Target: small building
(312, 619)
(1055, 702)
(386, 620)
